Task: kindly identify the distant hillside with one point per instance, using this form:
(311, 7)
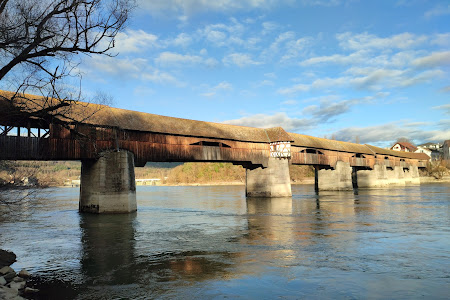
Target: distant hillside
(206, 173)
(42, 173)
(190, 173)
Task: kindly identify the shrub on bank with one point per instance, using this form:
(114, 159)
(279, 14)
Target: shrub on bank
(437, 169)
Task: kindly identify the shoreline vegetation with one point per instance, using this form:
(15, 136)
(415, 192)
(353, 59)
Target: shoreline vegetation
(67, 173)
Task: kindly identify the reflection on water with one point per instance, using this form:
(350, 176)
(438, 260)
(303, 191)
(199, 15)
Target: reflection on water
(107, 248)
(211, 242)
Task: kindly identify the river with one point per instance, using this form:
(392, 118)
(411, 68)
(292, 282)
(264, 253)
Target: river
(212, 242)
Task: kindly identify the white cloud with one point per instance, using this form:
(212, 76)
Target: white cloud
(135, 41)
(441, 39)
(269, 27)
(353, 58)
(321, 2)
(182, 40)
(327, 110)
(223, 86)
(216, 37)
(264, 82)
(436, 59)
(297, 88)
(168, 59)
(445, 125)
(367, 78)
(230, 35)
(274, 48)
(128, 69)
(190, 7)
(275, 120)
(376, 79)
(295, 48)
(239, 59)
(390, 132)
(423, 77)
(365, 41)
(437, 11)
(161, 77)
(123, 67)
(445, 108)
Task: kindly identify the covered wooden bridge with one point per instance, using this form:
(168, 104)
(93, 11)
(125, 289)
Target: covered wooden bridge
(111, 141)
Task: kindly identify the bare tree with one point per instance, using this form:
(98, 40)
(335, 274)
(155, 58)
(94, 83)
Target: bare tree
(39, 44)
(404, 140)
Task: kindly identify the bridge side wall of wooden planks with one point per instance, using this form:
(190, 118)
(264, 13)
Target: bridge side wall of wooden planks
(86, 142)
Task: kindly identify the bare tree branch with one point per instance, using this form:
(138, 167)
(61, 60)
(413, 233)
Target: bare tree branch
(40, 38)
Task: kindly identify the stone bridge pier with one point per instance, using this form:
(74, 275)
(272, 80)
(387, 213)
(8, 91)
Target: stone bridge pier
(271, 182)
(337, 179)
(383, 176)
(344, 177)
(108, 184)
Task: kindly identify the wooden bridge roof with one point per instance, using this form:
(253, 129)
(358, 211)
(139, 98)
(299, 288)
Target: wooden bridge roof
(378, 150)
(307, 141)
(320, 143)
(105, 116)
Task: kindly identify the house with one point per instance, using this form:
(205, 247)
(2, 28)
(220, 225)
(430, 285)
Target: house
(432, 146)
(433, 154)
(404, 146)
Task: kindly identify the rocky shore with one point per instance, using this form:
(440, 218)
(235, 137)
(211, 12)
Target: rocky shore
(13, 286)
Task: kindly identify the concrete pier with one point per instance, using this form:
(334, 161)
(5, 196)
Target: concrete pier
(271, 182)
(339, 179)
(411, 175)
(108, 184)
(381, 176)
(378, 177)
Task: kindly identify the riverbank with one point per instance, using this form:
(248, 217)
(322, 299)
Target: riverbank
(220, 183)
(430, 179)
(306, 180)
(13, 285)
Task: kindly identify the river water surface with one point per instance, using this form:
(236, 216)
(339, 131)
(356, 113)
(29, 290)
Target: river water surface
(212, 242)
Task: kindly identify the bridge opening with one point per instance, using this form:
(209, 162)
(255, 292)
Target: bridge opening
(211, 144)
(311, 151)
(24, 132)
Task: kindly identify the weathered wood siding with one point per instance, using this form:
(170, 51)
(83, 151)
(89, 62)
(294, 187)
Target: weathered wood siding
(87, 142)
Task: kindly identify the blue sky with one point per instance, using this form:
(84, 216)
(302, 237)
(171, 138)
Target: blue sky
(378, 70)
